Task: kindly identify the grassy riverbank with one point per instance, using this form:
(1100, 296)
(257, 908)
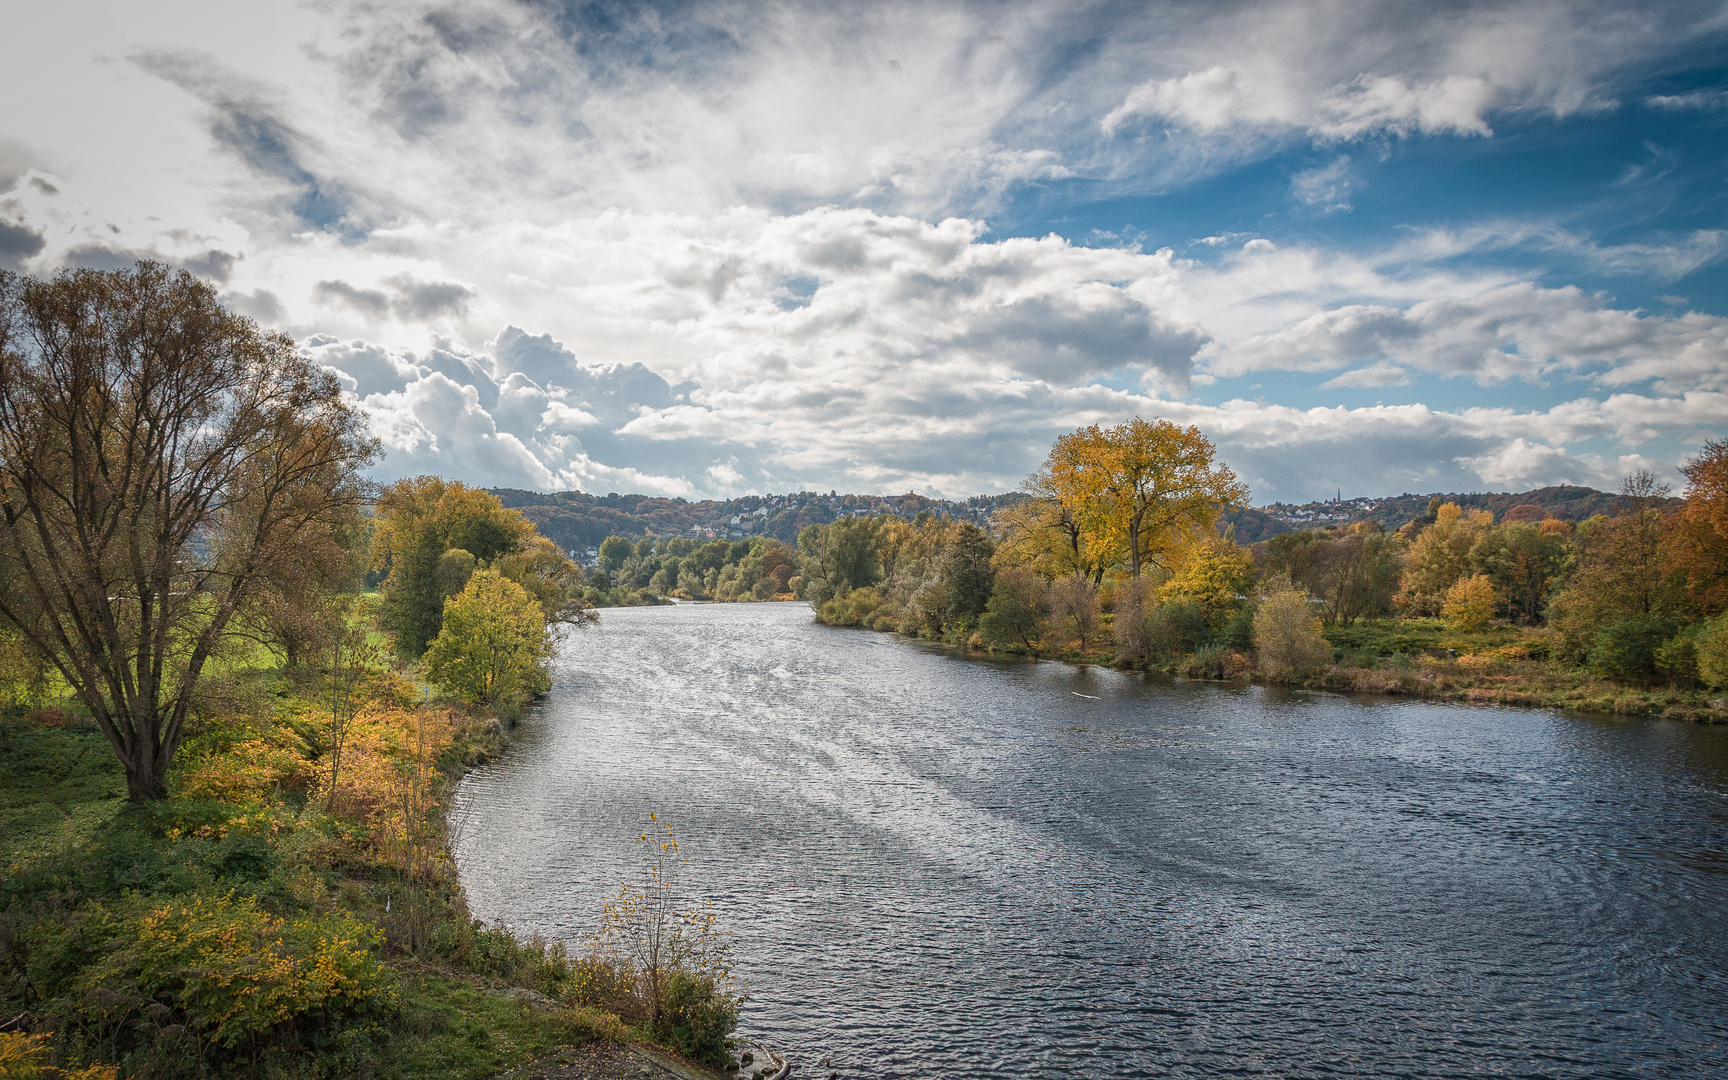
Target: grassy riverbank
(1422, 658)
(264, 921)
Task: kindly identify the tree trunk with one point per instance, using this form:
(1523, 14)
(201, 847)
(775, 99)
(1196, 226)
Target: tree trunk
(147, 779)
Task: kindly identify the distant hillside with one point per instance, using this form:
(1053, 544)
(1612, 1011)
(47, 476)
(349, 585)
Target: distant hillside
(1565, 501)
(577, 521)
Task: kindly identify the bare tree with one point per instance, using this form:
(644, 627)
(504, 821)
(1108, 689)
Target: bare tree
(159, 459)
(1644, 490)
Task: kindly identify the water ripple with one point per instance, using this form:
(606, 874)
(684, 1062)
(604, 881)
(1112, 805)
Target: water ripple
(939, 867)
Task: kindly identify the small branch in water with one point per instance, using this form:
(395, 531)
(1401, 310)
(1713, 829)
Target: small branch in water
(782, 1067)
(1088, 697)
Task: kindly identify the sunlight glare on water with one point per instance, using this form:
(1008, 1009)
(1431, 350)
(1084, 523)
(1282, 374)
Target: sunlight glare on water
(938, 866)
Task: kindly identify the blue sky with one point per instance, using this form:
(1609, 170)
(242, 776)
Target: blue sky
(710, 249)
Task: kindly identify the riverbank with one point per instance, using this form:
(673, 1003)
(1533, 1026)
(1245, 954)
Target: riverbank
(1419, 658)
(268, 918)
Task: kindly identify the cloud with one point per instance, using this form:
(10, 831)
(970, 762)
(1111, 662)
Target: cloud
(734, 245)
(1372, 375)
(1290, 453)
(407, 299)
(370, 302)
(1697, 99)
(17, 243)
(1514, 331)
(1385, 104)
(260, 304)
(249, 121)
(16, 159)
(1327, 188)
(1221, 97)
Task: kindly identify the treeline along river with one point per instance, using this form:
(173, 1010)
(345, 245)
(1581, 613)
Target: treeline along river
(940, 866)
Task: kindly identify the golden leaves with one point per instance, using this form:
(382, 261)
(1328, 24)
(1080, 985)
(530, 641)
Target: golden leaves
(1135, 493)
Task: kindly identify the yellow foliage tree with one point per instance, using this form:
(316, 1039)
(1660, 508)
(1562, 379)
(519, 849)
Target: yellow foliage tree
(1134, 492)
(494, 644)
(417, 523)
(1214, 573)
(1440, 557)
(1469, 603)
(1287, 633)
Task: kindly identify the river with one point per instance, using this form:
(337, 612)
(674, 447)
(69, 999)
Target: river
(938, 866)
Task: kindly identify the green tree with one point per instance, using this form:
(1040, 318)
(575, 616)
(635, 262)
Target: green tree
(613, 551)
(1713, 652)
(965, 574)
(1016, 610)
(839, 558)
(493, 647)
(1619, 577)
(160, 459)
(1524, 562)
(416, 522)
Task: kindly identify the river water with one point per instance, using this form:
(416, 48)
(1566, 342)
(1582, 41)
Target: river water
(937, 866)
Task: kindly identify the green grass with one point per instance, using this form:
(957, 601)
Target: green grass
(453, 1026)
(59, 789)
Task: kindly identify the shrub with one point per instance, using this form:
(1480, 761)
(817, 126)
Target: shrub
(25, 1057)
(1206, 663)
(696, 1016)
(1177, 628)
(1712, 652)
(1238, 633)
(1677, 658)
(239, 975)
(1287, 634)
(1626, 650)
(660, 959)
(854, 608)
(1016, 610)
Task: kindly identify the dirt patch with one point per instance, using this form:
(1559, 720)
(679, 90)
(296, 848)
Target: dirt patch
(608, 1061)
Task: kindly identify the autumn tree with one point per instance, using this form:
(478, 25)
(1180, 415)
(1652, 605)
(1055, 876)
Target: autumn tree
(1440, 556)
(493, 647)
(1287, 632)
(1058, 529)
(1215, 575)
(1469, 603)
(1524, 562)
(1696, 545)
(160, 457)
(418, 522)
(1146, 484)
(1619, 601)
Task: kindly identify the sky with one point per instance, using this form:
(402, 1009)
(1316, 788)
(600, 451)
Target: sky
(711, 249)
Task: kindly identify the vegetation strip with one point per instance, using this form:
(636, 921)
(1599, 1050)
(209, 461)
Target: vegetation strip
(224, 763)
(1122, 555)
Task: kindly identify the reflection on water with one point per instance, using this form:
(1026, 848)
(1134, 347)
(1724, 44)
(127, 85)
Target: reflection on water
(937, 866)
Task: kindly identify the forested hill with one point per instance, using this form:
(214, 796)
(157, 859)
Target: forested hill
(577, 521)
(1563, 501)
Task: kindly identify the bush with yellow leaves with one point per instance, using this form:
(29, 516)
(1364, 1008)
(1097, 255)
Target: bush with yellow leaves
(238, 976)
(25, 1057)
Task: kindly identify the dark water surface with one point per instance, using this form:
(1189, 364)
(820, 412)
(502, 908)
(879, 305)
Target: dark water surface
(943, 867)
